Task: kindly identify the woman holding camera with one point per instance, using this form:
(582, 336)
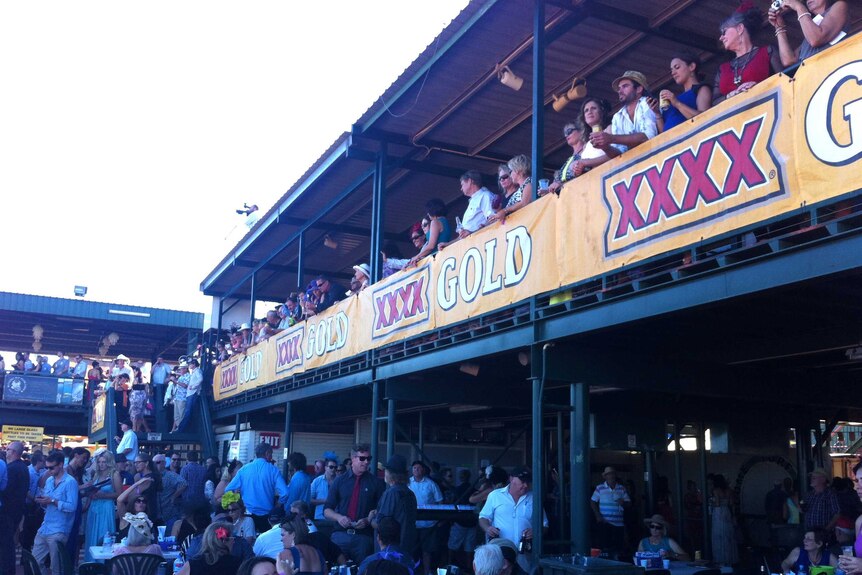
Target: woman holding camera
(751, 64)
(823, 24)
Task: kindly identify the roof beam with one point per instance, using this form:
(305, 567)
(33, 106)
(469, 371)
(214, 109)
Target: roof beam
(426, 67)
(340, 228)
(657, 29)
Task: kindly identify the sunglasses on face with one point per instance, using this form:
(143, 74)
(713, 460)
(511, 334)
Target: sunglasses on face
(414, 238)
(332, 467)
(140, 500)
(568, 132)
(363, 458)
(504, 177)
(51, 467)
(656, 526)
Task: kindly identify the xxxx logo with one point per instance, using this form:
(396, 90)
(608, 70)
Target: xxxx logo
(288, 347)
(727, 165)
(401, 304)
(229, 380)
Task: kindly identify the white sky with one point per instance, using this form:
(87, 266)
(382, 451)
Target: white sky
(130, 132)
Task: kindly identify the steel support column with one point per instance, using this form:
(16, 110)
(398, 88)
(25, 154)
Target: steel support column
(390, 429)
(561, 511)
(378, 205)
(579, 466)
(236, 427)
(701, 450)
(300, 285)
(220, 313)
(287, 426)
(677, 471)
(252, 296)
(421, 441)
(803, 444)
(649, 468)
(375, 424)
(536, 445)
(538, 129)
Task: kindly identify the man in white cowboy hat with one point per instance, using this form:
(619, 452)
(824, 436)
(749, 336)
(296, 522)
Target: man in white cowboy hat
(180, 392)
(608, 501)
(634, 123)
(193, 387)
(121, 367)
(362, 275)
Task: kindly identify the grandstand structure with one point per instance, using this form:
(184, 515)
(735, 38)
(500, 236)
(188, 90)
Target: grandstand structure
(706, 280)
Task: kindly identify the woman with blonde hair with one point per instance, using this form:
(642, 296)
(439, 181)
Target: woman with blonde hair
(215, 556)
(520, 167)
(103, 491)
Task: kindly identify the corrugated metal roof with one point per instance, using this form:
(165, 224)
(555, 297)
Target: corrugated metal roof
(447, 113)
(80, 308)
(79, 326)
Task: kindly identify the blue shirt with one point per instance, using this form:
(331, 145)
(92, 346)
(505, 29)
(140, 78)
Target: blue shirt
(319, 490)
(4, 479)
(195, 475)
(299, 489)
(45, 369)
(258, 482)
(159, 373)
(34, 481)
(61, 366)
(59, 517)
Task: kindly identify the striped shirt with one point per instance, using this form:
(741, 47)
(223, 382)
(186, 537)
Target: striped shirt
(607, 496)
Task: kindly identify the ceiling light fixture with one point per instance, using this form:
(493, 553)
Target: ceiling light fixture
(508, 78)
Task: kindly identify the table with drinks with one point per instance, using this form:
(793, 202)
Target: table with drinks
(101, 553)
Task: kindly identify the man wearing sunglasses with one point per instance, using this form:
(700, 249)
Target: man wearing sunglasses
(352, 504)
(59, 497)
(320, 487)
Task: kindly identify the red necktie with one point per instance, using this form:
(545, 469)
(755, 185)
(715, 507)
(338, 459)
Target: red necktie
(353, 506)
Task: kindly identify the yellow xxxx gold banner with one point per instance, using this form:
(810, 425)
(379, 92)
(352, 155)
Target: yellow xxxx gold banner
(786, 144)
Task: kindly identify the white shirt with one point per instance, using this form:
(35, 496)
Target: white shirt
(643, 123)
(127, 370)
(478, 210)
(269, 544)
(129, 440)
(511, 518)
(196, 378)
(426, 492)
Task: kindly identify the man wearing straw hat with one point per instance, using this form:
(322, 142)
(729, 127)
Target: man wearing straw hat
(634, 123)
(607, 502)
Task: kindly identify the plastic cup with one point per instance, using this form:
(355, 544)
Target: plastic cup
(595, 552)
(847, 550)
(665, 563)
(161, 532)
(544, 184)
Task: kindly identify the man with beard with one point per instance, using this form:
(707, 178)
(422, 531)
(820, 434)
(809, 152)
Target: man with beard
(634, 123)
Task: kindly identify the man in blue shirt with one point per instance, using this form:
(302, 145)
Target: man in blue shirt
(195, 476)
(159, 372)
(59, 497)
(299, 488)
(61, 366)
(258, 483)
(81, 367)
